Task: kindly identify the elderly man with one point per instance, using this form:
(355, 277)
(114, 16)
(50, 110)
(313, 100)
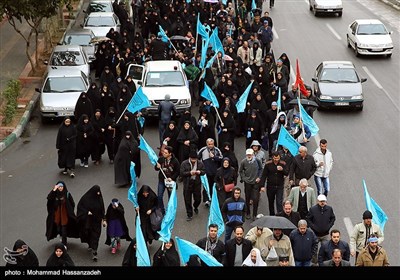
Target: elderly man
(303, 166)
(302, 198)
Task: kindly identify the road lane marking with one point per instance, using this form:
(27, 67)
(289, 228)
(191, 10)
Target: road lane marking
(292, 74)
(317, 138)
(375, 81)
(334, 32)
(349, 225)
(275, 33)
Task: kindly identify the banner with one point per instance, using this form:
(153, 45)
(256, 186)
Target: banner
(241, 104)
(215, 215)
(142, 254)
(379, 216)
(138, 101)
(186, 249)
(132, 192)
(287, 140)
(168, 221)
(149, 150)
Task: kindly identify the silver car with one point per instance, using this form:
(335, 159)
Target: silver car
(69, 57)
(60, 91)
(101, 23)
(83, 38)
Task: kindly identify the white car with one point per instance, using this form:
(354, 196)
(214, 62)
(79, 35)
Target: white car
(101, 23)
(83, 38)
(369, 37)
(60, 90)
(326, 6)
(69, 57)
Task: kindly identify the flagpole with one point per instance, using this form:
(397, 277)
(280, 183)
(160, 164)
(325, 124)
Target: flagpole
(123, 112)
(219, 117)
(197, 34)
(301, 116)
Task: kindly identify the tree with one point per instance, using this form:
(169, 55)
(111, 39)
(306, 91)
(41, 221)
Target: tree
(32, 12)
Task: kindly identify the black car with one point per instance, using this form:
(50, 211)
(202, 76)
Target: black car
(337, 85)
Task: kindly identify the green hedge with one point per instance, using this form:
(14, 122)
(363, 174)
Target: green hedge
(11, 94)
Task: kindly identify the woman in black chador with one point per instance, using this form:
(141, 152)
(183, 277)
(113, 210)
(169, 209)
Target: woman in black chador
(83, 106)
(147, 200)
(21, 255)
(130, 259)
(85, 140)
(91, 215)
(66, 146)
(166, 255)
(127, 151)
(60, 257)
(61, 218)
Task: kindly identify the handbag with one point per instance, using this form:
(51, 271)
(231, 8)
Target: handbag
(156, 218)
(228, 187)
(272, 255)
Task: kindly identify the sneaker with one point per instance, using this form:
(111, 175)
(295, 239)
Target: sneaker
(82, 164)
(89, 249)
(86, 165)
(72, 174)
(196, 210)
(65, 172)
(113, 250)
(150, 241)
(188, 218)
(119, 245)
(207, 203)
(94, 257)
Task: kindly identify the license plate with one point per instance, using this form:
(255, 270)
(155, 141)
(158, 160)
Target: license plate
(341, 103)
(377, 50)
(329, 10)
(62, 114)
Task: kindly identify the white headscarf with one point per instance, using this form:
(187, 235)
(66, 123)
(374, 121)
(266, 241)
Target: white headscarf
(259, 260)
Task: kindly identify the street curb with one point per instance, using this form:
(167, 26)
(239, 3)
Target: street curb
(4, 144)
(22, 124)
(395, 6)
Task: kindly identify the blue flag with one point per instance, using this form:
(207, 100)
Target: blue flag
(253, 4)
(241, 104)
(279, 101)
(287, 140)
(215, 216)
(132, 192)
(307, 120)
(163, 35)
(208, 94)
(379, 216)
(216, 43)
(149, 150)
(142, 254)
(201, 29)
(141, 120)
(168, 221)
(186, 249)
(138, 101)
(204, 48)
(204, 182)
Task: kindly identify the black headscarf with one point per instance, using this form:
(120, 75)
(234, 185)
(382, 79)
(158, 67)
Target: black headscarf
(25, 258)
(63, 260)
(93, 202)
(164, 257)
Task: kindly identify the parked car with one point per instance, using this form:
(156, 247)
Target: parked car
(337, 84)
(369, 37)
(326, 7)
(101, 23)
(96, 6)
(68, 57)
(158, 78)
(83, 38)
(60, 90)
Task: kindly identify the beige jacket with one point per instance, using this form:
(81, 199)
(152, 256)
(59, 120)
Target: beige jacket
(258, 241)
(357, 238)
(294, 197)
(365, 259)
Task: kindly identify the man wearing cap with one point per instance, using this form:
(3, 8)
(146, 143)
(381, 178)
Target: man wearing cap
(321, 219)
(250, 170)
(266, 37)
(362, 231)
(190, 171)
(258, 151)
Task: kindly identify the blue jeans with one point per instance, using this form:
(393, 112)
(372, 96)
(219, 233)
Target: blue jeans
(322, 184)
(160, 194)
(228, 232)
(302, 263)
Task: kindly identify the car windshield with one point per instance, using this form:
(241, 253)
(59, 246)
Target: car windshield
(339, 75)
(82, 40)
(170, 78)
(67, 58)
(136, 72)
(64, 84)
(371, 29)
(100, 21)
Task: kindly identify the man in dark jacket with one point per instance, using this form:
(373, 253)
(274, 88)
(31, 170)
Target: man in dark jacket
(303, 166)
(325, 252)
(289, 214)
(238, 248)
(166, 111)
(321, 219)
(158, 49)
(304, 244)
(190, 171)
(233, 212)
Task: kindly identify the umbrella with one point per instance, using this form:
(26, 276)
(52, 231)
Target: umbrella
(273, 222)
(178, 37)
(304, 102)
(227, 58)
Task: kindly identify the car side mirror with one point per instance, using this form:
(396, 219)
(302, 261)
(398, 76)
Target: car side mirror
(140, 82)
(390, 32)
(363, 80)
(314, 80)
(46, 62)
(81, 25)
(353, 32)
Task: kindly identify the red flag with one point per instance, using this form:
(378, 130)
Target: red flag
(299, 81)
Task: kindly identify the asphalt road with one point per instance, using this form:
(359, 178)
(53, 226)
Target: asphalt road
(365, 145)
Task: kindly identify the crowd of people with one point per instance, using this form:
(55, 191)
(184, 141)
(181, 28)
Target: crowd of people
(192, 146)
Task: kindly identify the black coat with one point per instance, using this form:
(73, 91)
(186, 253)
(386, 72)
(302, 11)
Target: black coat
(83, 106)
(130, 259)
(53, 202)
(127, 150)
(147, 203)
(85, 140)
(117, 213)
(164, 257)
(230, 250)
(19, 259)
(66, 145)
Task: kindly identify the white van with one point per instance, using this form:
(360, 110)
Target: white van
(161, 77)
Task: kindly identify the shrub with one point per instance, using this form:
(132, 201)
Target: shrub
(11, 94)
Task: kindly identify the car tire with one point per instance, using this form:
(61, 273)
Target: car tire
(389, 55)
(356, 50)
(44, 120)
(340, 14)
(360, 108)
(348, 42)
(315, 12)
